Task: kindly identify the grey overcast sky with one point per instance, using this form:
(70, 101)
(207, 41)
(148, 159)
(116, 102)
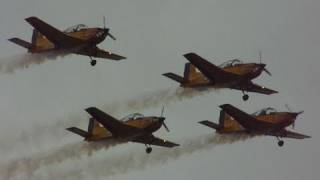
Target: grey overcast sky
(43, 99)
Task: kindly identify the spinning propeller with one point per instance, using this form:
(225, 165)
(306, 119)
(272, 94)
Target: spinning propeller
(162, 120)
(264, 69)
(295, 113)
(106, 30)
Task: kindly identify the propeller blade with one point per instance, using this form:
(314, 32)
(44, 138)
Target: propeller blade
(287, 106)
(104, 22)
(112, 37)
(293, 125)
(162, 111)
(260, 57)
(268, 72)
(166, 127)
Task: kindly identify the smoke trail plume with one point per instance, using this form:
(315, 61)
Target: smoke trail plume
(71, 151)
(23, 61)
(155, 99)
(112, 165)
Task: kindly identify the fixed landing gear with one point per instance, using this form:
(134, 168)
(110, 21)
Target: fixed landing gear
(93, 62)
(148, 150)
(280, 143)
(245, 97)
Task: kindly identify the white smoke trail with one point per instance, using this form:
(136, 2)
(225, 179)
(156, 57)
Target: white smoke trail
(155, 99)
(23, 61)
(71, 151)
(109, 166)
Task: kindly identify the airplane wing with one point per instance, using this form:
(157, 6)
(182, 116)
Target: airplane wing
(54, 35)
(214, 73)
(107, 55)
(247, 121)
(251, 87)
(294, 135)
(152, 140)
(116, 127)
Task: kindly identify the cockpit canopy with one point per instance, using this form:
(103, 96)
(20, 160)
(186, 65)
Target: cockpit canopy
(75, 28)
(265, 111)
(133, 116)
(230, 63)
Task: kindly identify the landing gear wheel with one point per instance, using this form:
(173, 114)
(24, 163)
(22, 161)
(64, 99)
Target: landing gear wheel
(93, 62)
(148, 150)
(280, 143)
(245, 97)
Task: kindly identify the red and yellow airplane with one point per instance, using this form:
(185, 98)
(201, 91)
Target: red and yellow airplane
(77, 39)
(133, 128)
(265, 122)
(200, 73)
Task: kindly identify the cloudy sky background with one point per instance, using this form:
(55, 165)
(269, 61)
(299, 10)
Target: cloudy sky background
(38, 102)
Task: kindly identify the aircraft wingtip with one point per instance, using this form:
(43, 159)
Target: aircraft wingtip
(90, 109)
(224, 106)
(30, 18)
(203, 121)
(189, 54)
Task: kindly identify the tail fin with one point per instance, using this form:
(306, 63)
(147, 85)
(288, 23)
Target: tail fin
(190, 72)
(222, 118)
(35, 37)
(78, 131)
(95, 127)
(174, 77)
(91, 128)
(226, 121)
(21, 42)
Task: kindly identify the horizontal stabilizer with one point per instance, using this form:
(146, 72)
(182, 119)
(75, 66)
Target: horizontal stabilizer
(210, 124)
(21, 42)
(78, 131)
(174, 77)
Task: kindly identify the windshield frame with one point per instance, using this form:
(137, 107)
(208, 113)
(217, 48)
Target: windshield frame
(265, 111)
(231, 63)
(133, 116)
(75, 28)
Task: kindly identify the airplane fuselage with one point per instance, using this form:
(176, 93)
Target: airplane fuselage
(146, 125)
(280, 120)
(247, 72)
(89, 36)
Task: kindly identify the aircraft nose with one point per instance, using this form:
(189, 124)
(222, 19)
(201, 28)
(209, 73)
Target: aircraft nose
(161, 119)
(106, 30)
(262, 65)
(296, 114)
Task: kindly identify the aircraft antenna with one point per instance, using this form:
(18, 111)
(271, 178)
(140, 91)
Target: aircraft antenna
(260, 57)
(104, 22)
